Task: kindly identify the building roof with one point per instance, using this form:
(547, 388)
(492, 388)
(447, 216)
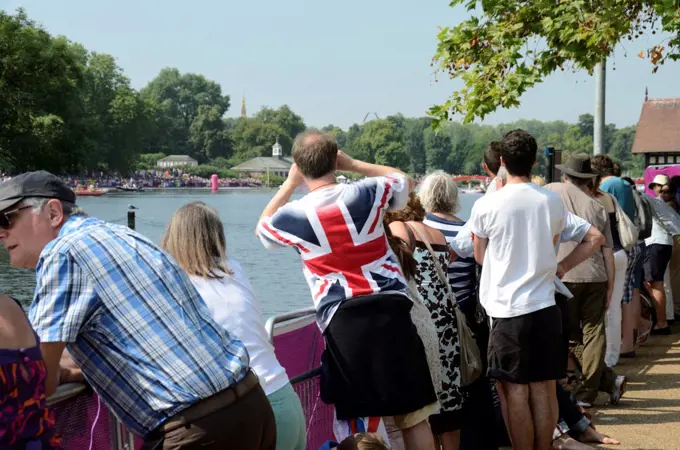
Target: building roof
(262, 163)
(658, 130)
(177, 158)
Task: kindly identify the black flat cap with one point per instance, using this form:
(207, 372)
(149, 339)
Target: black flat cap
(34, 184)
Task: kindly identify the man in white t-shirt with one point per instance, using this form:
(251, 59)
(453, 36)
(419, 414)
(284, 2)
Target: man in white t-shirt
(515, 231)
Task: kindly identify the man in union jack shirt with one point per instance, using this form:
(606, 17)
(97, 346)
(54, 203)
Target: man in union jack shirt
(357, 285)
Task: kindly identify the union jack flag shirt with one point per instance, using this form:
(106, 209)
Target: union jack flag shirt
(339, 235)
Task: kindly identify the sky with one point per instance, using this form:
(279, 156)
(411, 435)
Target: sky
(331, 62)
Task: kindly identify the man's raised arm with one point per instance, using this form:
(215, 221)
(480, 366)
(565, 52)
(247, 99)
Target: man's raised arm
(350, 164)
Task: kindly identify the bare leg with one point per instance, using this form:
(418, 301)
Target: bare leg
(418, 437)
(628, 324)
(504, 404)
(659, 297)
(544, 412)
(450, 440)
(518, 418)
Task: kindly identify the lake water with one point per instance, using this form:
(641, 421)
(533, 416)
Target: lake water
(276, 276)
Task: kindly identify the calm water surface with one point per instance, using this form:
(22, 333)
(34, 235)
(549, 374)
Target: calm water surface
(276, 276)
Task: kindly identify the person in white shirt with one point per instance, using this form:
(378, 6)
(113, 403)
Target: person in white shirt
(195, 238)
(492, 164)
(515, 231)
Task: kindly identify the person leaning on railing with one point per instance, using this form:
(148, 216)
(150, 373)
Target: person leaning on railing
(133, 322)
(195, 238)
(25, 421)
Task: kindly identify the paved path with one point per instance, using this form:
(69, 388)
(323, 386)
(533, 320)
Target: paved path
(649, 414)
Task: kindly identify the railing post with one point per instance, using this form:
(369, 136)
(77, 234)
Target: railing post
(116, 435)
(131, 219)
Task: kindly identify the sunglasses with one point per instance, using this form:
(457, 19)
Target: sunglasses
(6, 217)
(666, 191)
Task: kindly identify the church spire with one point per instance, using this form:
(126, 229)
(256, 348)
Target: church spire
(243, 107)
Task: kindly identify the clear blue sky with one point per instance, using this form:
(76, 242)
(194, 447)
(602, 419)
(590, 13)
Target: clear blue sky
(331, 62)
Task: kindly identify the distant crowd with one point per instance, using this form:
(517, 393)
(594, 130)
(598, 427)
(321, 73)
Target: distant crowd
(149, 179)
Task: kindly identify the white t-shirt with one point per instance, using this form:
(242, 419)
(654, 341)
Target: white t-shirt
(518, 275)
(233, 305)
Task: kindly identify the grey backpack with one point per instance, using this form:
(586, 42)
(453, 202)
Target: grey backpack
(644, 216)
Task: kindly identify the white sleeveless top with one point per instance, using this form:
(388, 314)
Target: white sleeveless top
(233, 305)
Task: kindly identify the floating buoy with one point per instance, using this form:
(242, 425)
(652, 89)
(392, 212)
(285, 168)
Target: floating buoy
(214, 181)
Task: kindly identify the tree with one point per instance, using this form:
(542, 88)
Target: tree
(40, 101)
(437, 149)
(284, 118)
(339, 135)
(253, 138)
(179, 98)
(116, 118)
(208, 135)
(506, 47)
(380, 143)
(415, 144)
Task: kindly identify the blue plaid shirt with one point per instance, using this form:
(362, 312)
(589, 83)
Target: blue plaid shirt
(133, 322)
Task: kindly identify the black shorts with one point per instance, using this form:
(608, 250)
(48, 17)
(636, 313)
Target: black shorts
(529, 348)
(445, 422)
(657, 257)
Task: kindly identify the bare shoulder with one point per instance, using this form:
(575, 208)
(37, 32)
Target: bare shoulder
(15, 331)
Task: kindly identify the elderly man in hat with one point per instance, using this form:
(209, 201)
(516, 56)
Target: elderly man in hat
(590, 283)
(133, 322)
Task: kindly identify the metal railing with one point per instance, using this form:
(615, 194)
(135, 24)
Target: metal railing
(84, 422)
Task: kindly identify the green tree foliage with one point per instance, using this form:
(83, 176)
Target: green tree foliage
(68, 110)
(254, 137)
(181, 100)
(147, 161)
(508, 46)
(40, 98)
(290, 123)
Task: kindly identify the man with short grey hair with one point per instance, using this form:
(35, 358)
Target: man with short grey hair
(133, 322)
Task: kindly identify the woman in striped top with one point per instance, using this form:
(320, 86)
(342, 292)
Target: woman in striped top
(439, 196)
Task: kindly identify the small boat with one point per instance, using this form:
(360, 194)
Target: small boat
(89, 193)
(129, 189)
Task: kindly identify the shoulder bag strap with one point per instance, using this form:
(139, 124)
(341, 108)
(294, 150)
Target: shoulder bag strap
(440, 272)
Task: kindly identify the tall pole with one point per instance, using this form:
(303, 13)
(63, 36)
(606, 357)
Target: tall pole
(600, 91)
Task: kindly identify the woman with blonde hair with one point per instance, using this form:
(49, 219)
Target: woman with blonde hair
(195, 238)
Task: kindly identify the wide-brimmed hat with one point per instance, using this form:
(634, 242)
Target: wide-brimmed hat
(661, 180)
(578, 165)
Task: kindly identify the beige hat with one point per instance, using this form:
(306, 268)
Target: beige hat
(661, 180)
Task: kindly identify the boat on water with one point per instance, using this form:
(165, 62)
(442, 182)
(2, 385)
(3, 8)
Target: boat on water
(90, 193)
(129, 189)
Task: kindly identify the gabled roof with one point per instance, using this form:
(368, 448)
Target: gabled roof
(658, 130)
(262, 163)
(177, 158)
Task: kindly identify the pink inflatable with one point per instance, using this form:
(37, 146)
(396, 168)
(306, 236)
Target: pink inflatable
(214, 182)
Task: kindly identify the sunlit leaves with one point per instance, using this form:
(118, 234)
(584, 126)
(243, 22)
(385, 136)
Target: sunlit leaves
(513, 45)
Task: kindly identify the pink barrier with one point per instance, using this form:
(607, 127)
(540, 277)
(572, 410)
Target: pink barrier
(299, 351)
(75, 420)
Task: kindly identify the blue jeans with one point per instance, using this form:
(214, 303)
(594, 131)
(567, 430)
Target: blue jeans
(291, 429)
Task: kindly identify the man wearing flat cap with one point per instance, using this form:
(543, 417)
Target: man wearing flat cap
(133, 322)
(590, 283)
